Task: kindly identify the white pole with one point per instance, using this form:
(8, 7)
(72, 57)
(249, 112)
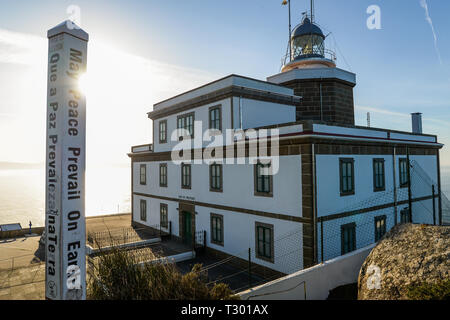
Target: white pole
(65, 274)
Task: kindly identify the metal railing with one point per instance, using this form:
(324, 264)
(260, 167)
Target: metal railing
(325, 53)
(142, 148)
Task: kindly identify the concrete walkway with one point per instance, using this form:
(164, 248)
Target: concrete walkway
(22, 276)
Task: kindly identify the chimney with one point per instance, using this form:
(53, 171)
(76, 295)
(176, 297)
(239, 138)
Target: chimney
(416, 122)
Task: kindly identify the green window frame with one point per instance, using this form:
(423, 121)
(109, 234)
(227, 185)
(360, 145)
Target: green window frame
(143, 209)
(186, 176)
(403, 172)
(379, 178)
(347, 176)
(186, 122)
(143, 174)
(380, 227)
(215, 118)
(163, 131)
(216, 177)
(217, 229)
(348, 238)
(163, 175)
(163, 215)
(264, 242)
(263, 183)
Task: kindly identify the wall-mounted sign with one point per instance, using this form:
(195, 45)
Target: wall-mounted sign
(65, 246)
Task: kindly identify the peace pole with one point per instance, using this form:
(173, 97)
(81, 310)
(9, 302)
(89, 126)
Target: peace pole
(65, 269)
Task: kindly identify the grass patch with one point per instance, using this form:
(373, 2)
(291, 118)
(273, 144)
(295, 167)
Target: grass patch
(118, 276)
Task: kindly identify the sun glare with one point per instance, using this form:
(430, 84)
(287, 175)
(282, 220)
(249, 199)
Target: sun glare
(83, 83)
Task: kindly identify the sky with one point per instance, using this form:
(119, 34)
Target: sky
(142, 52)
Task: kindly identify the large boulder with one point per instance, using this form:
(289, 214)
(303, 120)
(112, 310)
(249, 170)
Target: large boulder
(408, 255)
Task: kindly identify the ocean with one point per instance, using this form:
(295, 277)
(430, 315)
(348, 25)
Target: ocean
(22, 194)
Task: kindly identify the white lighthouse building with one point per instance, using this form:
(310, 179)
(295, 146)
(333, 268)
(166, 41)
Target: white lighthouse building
(319, 180)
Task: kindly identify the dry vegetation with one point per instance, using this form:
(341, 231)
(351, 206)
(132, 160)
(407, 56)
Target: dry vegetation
(119, 276)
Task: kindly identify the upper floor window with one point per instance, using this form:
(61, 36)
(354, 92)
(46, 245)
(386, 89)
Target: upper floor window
(215, 118)
(264, 242)
(263, 179)
(163, 131)
(380, 227)
(347, 176)
(186, 122)
(215, 177)
(143, 174)
(348, 238)
(163, 175)
(143, 210)
(379, 183)
(186, 176)
(164, 221)
(403, 171)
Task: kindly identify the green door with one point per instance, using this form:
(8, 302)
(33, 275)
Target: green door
(187, 227)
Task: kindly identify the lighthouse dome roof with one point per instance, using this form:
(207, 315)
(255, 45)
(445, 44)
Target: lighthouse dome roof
(307, 28)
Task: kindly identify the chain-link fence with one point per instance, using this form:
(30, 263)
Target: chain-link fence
(252, 266)
(365, 222)
(353, 227)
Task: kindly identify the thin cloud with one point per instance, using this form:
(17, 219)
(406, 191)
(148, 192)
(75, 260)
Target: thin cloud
(424, 5)
(21, 48)
(383, 111)
(399, 114)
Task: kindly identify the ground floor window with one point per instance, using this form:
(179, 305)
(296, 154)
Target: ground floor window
(217, 229)
(348, 238)
(405, 216)
(264, 242)
(143, 210)
(380, 227)
(164, 221)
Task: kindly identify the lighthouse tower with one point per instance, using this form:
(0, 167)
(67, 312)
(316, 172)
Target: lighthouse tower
(310, 69)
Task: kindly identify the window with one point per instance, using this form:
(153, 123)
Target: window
(163, 216)
(215, 118)
(347, 174)
(380, 227)
(143, 210)
(163, 175)
(215, 177)
(186, 122)
(264, 242)
(217, 229)
(403, 164)
(263, 180)
(379, 183)
(186, 176)
(163, 131)
(348, 238)
(405, 216)
(143, 174)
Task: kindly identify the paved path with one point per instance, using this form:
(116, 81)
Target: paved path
(105, 223)
(22, 276)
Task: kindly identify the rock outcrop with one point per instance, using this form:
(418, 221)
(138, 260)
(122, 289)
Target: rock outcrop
(408, 255)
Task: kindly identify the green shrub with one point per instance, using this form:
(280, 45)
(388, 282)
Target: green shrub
(425, 291)
(117, 276)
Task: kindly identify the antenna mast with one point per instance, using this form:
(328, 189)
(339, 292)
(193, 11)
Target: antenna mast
(312, 11)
